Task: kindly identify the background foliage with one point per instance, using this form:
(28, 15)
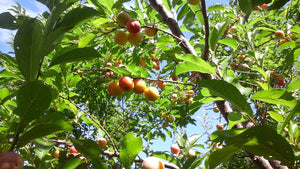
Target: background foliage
(54, 86)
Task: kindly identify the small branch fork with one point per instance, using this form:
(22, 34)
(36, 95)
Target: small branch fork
(107, 153)
(111, 154)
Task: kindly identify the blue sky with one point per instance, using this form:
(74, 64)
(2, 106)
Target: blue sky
(34, 8)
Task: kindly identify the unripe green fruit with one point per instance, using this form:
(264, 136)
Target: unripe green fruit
(123, 18)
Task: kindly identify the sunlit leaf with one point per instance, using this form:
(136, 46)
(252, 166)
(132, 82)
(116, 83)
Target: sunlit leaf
(131, 146)
(275, 96)
(193, 63)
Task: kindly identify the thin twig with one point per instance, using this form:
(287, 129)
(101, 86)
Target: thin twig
(95, 121)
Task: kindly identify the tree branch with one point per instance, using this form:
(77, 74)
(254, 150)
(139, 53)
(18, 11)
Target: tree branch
(206, 30)
(173, 25)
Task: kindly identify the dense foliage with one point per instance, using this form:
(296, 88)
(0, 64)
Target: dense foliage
(242, 59)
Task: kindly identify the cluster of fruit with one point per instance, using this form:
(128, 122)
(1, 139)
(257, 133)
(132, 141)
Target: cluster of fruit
(102, 142)
(155, 62)
(280, 35)
(133, 27)
(263, 6)
(176, 150)
(138, 86)
(169, 119)
(277, 79)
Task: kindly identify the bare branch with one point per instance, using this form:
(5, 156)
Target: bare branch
(173, 25)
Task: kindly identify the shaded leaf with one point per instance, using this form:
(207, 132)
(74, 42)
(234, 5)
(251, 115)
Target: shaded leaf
(33, 98)
(42, 147)
(228, 92)
(219, 156)
(247, 5)
(69, 163)
(264, 141)
(74, 55)
(77, 15)
(42, 130)
(28, 45)
(91, 150)
(235, 118)
(8, 21)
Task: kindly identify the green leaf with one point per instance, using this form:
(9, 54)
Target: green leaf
(278, 4)
(247, 5)
(193, 63)
(28, 44)
(49, 3)
(275, 96)
(228, 92)
(215, 7)
(55, 15)
(33, 98)
(85, 40)
(8, 21)
(264, 141)
(44, 129)
(216, 33)
(6, 74)
(91, 150)
(293, 86)
(235, 118)
(131, 146)
(76, 16)
(75, 55)
(229, 42)
(276, 116)
(199, 15)
(69, 163)
(295, 111)
(219, 156)
(223, 135)
(42, 147)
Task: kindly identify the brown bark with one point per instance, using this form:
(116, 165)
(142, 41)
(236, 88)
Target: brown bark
(223, 106)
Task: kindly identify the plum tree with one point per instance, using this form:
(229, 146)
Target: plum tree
(59, 79)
